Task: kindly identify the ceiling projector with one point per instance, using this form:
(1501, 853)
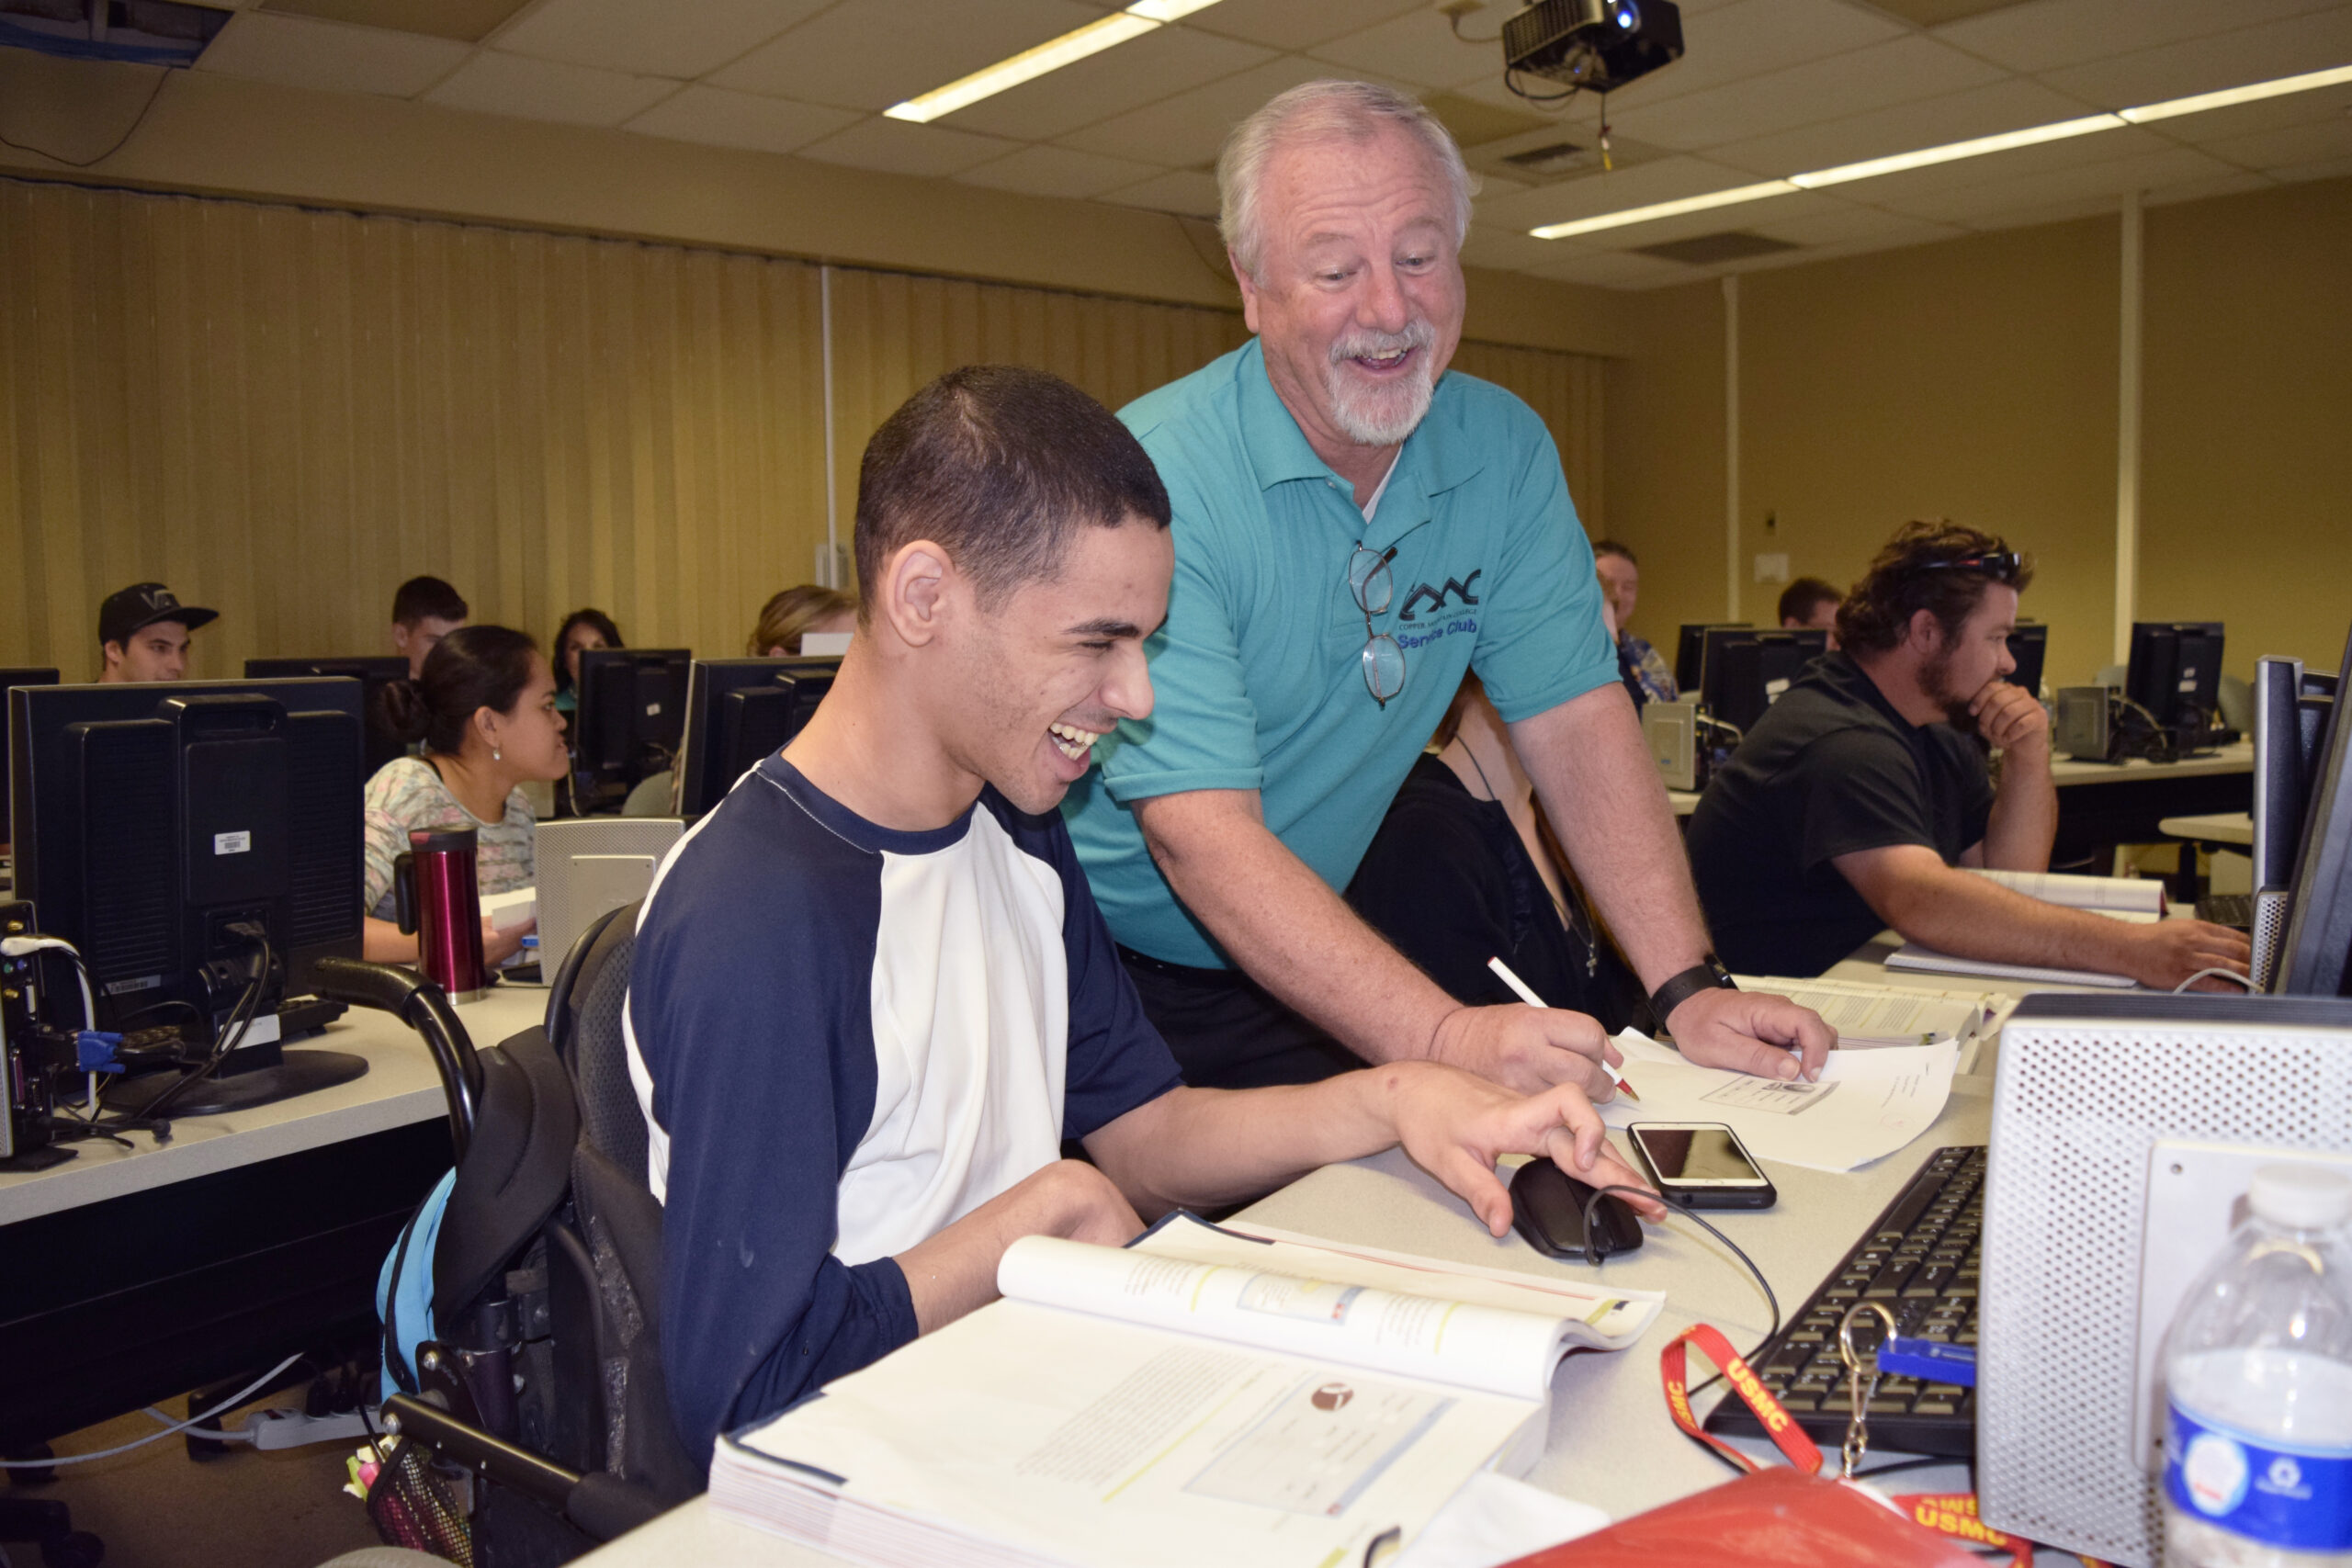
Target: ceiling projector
(1595, 45)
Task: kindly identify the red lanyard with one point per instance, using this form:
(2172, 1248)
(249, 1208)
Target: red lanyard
(1784, 1430)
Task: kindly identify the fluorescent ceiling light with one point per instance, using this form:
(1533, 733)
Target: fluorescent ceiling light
(1951, 152)
(2229, 95)
(1664, 209)
(1143, 17)
(1926, 156)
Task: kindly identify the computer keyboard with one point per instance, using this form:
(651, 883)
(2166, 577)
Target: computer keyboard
(2227, 910)
(1921, 1259)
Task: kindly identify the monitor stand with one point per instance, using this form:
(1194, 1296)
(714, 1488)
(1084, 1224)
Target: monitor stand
(297, 1072)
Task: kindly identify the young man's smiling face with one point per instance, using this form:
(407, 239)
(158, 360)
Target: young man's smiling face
(1055, 664)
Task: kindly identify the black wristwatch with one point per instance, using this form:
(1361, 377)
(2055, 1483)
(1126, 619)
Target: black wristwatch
(1707, 976)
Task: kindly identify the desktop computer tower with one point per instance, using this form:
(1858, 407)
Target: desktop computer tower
(588, 866)
(1672, 731)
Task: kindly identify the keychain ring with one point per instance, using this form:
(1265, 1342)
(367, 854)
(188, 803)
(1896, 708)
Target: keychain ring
(1857, 1438)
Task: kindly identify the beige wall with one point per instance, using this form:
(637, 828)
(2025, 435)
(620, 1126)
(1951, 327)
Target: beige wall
(283, 413)
(1977, 378)
(2247, 510)
(220, 135)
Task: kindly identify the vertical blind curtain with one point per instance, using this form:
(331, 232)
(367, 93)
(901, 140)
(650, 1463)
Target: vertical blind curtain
(284, 412)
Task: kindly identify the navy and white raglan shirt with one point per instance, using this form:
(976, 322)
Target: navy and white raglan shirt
(844, 1038)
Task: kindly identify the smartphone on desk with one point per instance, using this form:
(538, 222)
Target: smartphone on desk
(1702, 1165)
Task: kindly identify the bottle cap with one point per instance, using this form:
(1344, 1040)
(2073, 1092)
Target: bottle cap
(2301, 1197)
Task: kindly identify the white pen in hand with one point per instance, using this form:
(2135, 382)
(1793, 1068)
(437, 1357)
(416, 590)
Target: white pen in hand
(1521, 989)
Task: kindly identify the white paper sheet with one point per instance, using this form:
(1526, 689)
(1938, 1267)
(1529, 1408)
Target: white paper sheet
(1494, 1519)
(1867, 1104)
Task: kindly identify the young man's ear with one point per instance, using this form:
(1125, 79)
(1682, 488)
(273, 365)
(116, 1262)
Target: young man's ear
(1925, 633)
(918, 585)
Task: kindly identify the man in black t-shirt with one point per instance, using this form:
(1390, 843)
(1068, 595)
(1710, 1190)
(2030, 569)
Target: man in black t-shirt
(1852, 800)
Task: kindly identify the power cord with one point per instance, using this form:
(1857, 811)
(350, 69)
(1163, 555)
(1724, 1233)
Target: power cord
(2216, 975)
(153, 92)
(229, 1404)
(233, 1033)
(1592, 1211)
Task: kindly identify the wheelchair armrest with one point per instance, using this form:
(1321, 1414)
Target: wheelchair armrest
(424, 1007)
(601, 1504)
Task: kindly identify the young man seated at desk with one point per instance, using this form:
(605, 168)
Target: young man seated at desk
(872, 994)
(1853, 800)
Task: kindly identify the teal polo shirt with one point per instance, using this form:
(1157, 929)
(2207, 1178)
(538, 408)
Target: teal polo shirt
(1258, 679)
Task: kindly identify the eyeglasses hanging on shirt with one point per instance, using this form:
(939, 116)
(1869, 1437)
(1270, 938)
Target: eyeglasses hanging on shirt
(1384, 660)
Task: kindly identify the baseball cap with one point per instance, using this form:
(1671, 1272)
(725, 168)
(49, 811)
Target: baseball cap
(141, 606)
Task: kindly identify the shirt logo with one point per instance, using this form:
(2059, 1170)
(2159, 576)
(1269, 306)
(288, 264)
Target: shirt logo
(1437, 596)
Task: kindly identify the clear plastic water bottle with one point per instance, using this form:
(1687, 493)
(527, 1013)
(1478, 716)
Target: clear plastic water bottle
(2259, 1377)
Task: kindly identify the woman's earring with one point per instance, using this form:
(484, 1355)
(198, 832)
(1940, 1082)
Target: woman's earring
(497, 755)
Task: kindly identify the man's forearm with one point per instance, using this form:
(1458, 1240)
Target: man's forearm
(1605, 800)
(2024, 821)
(1954, 912)
(1297, 937)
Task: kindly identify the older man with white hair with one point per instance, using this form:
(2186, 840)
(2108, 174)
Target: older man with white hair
(1356, 526)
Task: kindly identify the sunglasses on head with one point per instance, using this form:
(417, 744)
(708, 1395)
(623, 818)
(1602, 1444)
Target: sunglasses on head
(2001, 563)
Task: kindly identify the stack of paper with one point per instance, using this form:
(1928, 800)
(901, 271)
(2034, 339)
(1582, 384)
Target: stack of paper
(1867, 1104)
(1927, 960)
(1206, 1396)
(2134, 898)
(1865, 1015)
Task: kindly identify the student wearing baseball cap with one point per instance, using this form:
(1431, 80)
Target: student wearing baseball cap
(143, 633)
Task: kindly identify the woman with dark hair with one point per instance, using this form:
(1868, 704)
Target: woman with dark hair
(1465, 868)
(582, 631)
(484, 707)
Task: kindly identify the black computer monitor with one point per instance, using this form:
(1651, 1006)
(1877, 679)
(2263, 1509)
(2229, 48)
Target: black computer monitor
(1747, 668)
(632, 705)
(738, 711)
(373, 671)
(2318, 938)
(2175, 675)
(1690, 652)
(168, 830)
(2029, 643)
(9, 680)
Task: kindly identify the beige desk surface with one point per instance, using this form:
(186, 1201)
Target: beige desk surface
(2215, 827)
(1612, 1444)
(401, 1086)
(1684, 801)
(2234, 759)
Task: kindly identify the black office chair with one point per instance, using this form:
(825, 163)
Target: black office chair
(546, 1383)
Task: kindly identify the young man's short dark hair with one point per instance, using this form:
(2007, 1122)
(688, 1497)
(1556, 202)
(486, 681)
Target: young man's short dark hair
(1937, 566)
(1602, 548)
(1799, 599)
(426, 598)
(997, 464)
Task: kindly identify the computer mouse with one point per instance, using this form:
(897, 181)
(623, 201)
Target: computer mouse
(1547, 1207)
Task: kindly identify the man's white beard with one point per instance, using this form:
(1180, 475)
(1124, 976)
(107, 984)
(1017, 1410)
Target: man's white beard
(1382, 414)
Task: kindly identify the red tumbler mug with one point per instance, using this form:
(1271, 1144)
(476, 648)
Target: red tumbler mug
(435, 896)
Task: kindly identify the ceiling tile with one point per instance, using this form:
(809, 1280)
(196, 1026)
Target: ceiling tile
(1902, 128)
(2331, 169)
(1420, 47)
(493, 83)
(1188, 129)
(1507, 249)
(1135, 73)
(1877, 76)
(296, 51)
(895, 147)
(1183, 190)
(697, 113)
(2288, 147)
(1841, 223)
(2202, 65)
(2054, 33)
(869, 54)
(1619, 269)
(1302, 23)
(2001, 201)
(1744, 41)
(2206, 190)
(468, 21)
(1057, 171)
(1669, 179)
(657, 40)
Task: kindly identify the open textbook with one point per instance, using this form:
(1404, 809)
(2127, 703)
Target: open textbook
(1867, 1104)
(1204, 1396)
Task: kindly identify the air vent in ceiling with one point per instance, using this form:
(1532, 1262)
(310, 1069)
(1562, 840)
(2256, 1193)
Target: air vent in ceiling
(1552, 159)
(1934, 13)
(1708, 250)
